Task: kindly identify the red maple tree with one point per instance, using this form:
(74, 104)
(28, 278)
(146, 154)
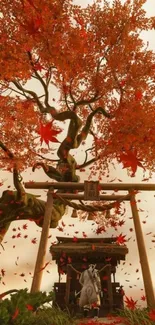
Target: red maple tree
(104, 77)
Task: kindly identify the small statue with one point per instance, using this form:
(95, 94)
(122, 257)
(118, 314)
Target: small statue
(91, 289)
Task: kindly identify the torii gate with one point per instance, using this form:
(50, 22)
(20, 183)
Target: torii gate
(131, 188)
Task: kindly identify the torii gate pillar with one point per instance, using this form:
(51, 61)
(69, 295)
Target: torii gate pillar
(40, 262)
(142, 254)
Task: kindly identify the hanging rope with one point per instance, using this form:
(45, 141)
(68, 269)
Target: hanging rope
(89, 208)
(71, 266)
(104, 267)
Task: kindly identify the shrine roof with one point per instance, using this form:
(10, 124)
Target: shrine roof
(90, 247)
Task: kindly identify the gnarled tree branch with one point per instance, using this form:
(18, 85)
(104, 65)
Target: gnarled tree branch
(49, 171)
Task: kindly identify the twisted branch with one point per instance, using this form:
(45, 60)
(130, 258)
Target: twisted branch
(89, 162)
(49, 171)
(8, 292)
(45, 87)
(32, 93)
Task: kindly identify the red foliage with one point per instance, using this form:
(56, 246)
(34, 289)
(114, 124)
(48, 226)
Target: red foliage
(47, 133)
(121, 239)
(3, 272)
(34, 241)
(143, 298)
(29, 307)
(58, 44)
(130, 303)
(25, 226)
(129, 159)
(75, 239)
(151, 314)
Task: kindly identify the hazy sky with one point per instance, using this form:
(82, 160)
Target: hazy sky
(19, 254)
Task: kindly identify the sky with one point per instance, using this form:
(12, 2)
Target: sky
(18, 255)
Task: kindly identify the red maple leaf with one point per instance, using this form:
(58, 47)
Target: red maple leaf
(121, 239)
(22, 274)
(130, 303)
(15, 313)
(105, 277)
(32, 24)
(29, 307)
(129, 160)
(100, 230)
(143, 298)
(25, 226)
(48, 133)
(138, 95)
(34, 240)
(121, 223)
(60, 229)
(3, 272)
(113, 223)
(151, 314)
(38, 66)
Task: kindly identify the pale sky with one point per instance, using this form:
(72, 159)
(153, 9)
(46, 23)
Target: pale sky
(19, 254)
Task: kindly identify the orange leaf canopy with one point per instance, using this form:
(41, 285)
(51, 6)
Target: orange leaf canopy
(94, 57)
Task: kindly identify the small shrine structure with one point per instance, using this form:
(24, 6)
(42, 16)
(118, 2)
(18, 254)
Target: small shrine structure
(73, 256)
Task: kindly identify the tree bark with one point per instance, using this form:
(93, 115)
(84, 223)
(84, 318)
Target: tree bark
(40, 262)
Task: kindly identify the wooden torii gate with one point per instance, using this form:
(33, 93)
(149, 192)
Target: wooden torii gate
(90, 195)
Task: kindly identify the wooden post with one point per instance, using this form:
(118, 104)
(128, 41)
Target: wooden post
(68, 283)
(142, 254)
(40, 262)
(109, 285)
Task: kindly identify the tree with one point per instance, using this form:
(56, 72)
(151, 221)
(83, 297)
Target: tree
(104, 74)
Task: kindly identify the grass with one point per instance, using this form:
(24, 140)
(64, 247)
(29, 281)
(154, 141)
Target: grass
(24, 308)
